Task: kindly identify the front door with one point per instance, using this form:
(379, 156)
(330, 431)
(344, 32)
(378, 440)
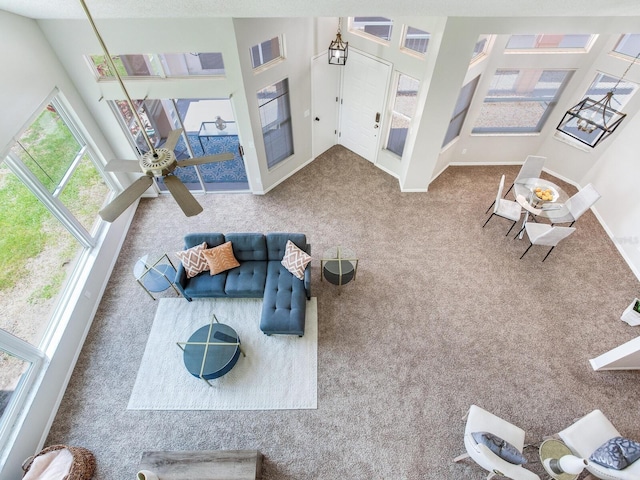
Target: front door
(364, 90)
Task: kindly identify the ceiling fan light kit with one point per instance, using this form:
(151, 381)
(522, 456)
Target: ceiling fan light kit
(157, 162)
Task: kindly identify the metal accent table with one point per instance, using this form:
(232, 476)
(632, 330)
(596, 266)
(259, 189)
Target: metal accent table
(211, 351)
(209, 129)
(155, 277)
(339, 265)
(555, 449)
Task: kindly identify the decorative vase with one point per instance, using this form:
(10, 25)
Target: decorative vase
(146, 475)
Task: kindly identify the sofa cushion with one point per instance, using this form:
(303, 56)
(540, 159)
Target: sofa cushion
(247, 280)
(205, 285)
(248, 246)
(277, 243)
(284, 305)
(211, 239)
(220, 258)
(295, 260)
(193, 260)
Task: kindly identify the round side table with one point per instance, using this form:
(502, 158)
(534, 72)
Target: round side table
(552, 449)
(339, 265)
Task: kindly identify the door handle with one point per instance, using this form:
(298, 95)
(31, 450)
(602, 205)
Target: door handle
(317, 119)
(378, 117)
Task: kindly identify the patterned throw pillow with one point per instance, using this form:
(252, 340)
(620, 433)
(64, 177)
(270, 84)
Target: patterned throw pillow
(617, 453)
(193, 261)
(221, 258)
(295, 260)
(503, 449)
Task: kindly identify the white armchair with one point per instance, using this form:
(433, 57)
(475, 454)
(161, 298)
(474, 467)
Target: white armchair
(586, 435)
(479, 420)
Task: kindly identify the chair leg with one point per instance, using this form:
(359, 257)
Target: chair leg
(545, 257)
(505, 193)
(488, 219)
(460, 457)
(519, 232)
(494, 202)
(491, 475)
(512, 225)
(530, 245)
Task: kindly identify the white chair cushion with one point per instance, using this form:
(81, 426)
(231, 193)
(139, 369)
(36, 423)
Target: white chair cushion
(509, 209)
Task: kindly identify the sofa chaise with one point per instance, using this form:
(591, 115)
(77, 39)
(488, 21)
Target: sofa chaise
(260, 274)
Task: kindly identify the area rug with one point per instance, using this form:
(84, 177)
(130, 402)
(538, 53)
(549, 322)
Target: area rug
(278, 372)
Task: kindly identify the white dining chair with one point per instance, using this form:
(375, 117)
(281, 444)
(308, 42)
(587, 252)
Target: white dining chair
(531, 168)
(546, 235)
(505, 208)
(578, 204)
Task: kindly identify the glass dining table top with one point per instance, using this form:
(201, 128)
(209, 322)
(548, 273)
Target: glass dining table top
(529, 188)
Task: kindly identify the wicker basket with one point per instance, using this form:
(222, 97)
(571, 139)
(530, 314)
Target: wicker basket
(82, 468)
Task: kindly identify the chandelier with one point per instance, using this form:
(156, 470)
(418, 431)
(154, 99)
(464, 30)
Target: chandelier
(338, 50)
(591, 121)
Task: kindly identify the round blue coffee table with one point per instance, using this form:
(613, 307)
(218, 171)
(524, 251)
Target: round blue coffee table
(211, 351)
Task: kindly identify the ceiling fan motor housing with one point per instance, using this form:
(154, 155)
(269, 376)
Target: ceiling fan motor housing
(158, 163)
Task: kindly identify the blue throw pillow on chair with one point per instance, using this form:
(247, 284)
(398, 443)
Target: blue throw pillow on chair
(617, 453)
(503, 449)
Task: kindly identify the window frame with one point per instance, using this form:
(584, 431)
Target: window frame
(523, 131)
(393, 112)
(511, 51)
(370, 36)
(275, 61)
(273, 163)
(411, 51)
(462, 113)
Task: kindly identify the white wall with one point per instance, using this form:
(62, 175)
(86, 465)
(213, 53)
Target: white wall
(31, 73)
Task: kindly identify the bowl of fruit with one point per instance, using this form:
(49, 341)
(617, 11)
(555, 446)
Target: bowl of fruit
(545, 194)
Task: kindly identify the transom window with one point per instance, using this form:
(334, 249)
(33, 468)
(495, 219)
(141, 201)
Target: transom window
(162, 65)
(520, 101)
(267, 52)
(549, 42)
(416, 40)
(378, 27)
(628, 45)
(480, 48)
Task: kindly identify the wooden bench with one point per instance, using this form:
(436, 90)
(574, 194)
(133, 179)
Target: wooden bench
(204, 464)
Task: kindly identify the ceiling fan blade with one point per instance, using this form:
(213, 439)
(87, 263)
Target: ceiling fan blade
(126, 198)
(183, 197)
(172, 139)
(221, 157)
(122, 166)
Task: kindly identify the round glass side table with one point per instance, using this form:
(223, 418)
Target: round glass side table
(338, 265)
(155, 276)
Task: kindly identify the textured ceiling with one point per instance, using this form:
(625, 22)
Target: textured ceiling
(61, 9)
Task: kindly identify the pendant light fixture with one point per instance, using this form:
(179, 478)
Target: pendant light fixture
(338, 50)
(591, 121)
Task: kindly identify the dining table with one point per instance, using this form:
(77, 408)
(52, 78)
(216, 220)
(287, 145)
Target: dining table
(553, 208)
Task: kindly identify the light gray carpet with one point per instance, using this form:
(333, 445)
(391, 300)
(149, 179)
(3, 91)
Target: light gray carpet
(442, 315)
(278, 372)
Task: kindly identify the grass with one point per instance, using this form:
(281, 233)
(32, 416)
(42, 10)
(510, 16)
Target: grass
(28, 228)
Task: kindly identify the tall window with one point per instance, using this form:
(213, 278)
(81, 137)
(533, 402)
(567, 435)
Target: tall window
(549, 42)
(404, 107)
(266, 52)
(160, 65)
(50, 192)
(275, 117)
(379, 27)
(416, 40)
(628, 45)
(520, 101)
(460, 111)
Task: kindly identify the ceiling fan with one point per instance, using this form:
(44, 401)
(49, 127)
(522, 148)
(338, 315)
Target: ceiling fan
(157, 162)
